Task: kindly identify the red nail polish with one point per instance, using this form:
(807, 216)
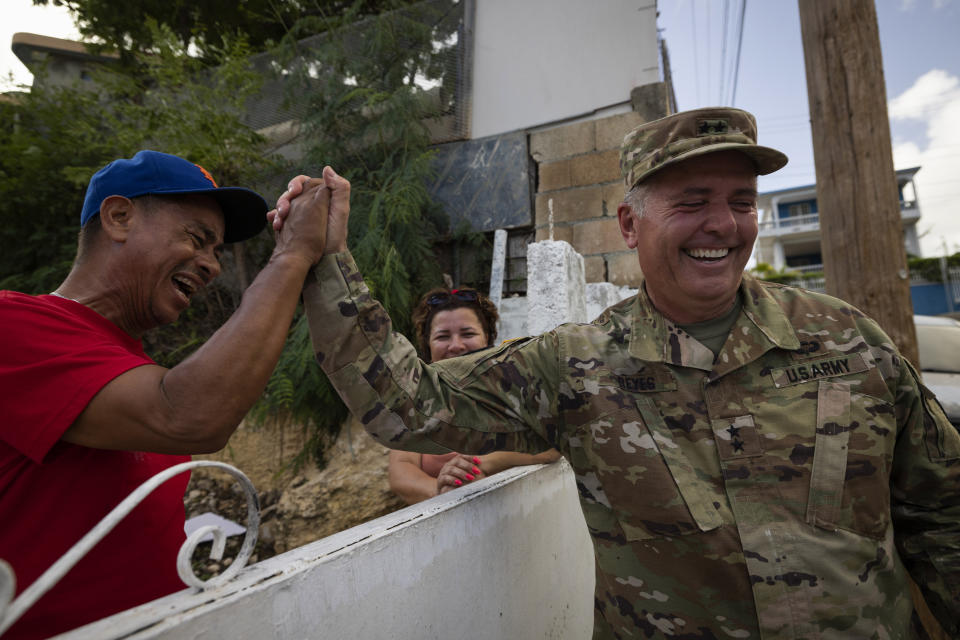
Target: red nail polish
(459, 483)
(469, 477)
(475, 470)
(476, 460)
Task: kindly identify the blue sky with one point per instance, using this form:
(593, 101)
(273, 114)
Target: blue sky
(920, 42)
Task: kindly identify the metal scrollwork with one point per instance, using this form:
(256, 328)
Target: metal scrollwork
(10, 612)
(184, 566)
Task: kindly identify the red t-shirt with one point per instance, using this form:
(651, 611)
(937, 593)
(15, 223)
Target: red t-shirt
(55, 355)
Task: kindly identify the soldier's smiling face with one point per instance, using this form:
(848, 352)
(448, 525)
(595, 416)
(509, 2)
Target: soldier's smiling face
(696, 233)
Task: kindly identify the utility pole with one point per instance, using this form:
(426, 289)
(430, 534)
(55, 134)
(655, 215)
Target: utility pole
(864, 259)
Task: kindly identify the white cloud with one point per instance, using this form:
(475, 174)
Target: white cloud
(910, 5)
(925, 94)
(933, 101)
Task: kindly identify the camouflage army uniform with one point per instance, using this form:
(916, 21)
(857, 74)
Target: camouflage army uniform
(751, 497)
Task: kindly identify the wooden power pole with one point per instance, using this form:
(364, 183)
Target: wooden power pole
(862, 235)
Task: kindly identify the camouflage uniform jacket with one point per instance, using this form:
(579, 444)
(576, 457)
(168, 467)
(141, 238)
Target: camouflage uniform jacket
(781, 490)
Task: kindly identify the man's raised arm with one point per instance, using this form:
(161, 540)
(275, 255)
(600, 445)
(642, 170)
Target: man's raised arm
(195, 406)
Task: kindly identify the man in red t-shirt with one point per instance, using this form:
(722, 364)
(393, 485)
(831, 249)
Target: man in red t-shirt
(88, 416)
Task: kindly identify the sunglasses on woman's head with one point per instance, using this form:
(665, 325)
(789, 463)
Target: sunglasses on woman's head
(437, 299)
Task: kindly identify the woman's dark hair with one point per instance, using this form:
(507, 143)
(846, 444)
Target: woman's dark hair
(441, 299)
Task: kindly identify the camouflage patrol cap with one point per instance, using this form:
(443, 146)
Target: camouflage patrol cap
(655, 145)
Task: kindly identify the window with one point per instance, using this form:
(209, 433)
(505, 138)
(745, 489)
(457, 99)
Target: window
(799, 209)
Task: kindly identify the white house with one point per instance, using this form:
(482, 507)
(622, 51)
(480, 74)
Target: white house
(789, 234)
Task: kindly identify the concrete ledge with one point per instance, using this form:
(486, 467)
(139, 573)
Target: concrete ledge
(507, 557)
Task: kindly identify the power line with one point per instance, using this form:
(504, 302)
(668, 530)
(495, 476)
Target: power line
(709, 49)
(736, 66)
(723, 48)
(696, 55)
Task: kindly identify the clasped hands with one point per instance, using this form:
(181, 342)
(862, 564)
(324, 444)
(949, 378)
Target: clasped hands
(311, 215)
(458, 471)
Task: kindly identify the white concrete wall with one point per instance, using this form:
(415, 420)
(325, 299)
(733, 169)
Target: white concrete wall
(601, 295)
(540, 61)
(557, 293)
(507, 557)
(513, 318)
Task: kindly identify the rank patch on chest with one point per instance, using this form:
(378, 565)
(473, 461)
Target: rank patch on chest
(736, 438)
(818, 369)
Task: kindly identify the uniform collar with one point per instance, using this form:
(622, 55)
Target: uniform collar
(762, 325)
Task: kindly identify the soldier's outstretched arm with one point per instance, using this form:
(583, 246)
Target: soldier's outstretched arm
(495, 399)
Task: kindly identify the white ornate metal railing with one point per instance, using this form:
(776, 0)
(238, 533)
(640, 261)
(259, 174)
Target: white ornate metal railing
(11, 610)
(953, 275)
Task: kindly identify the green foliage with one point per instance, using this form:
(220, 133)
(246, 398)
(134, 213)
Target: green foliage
(54, 138)
(929, 268)
(299, 391)
(362, 85)
(367, 119)
(765, 271)
(200, 26)
(46, 160)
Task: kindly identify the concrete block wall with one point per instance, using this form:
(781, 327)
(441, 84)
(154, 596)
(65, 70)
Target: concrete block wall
(578, 176)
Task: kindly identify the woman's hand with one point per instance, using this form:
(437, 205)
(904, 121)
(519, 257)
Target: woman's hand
(458, 471)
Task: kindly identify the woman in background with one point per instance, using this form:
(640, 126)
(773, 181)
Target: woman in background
(450, 323)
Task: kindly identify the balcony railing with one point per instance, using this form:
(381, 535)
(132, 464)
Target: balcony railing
(908, 209)
(819, 283)
(807, 268)
(791, 221)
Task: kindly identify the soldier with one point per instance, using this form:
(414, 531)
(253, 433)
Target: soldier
(753, 460)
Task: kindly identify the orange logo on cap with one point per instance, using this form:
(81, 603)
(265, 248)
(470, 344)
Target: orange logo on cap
(206, 174)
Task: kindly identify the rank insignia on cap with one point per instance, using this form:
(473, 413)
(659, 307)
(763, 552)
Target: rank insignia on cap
(712, 127)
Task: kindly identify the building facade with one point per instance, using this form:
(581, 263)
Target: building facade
(789, 236)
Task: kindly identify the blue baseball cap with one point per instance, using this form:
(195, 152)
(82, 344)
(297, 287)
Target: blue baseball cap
(155, 173)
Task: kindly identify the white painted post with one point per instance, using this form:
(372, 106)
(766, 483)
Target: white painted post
(498, 266)
(555, 286)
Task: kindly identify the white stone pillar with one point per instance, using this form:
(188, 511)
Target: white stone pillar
(498, 266)
(555, 286)
(779, 258)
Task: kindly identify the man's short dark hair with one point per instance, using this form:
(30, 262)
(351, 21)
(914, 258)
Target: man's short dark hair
(91, 231)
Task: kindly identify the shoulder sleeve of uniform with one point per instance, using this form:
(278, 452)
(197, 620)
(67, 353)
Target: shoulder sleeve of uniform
(925, 497)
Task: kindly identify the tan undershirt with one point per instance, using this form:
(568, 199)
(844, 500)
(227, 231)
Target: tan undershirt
(713, 333)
